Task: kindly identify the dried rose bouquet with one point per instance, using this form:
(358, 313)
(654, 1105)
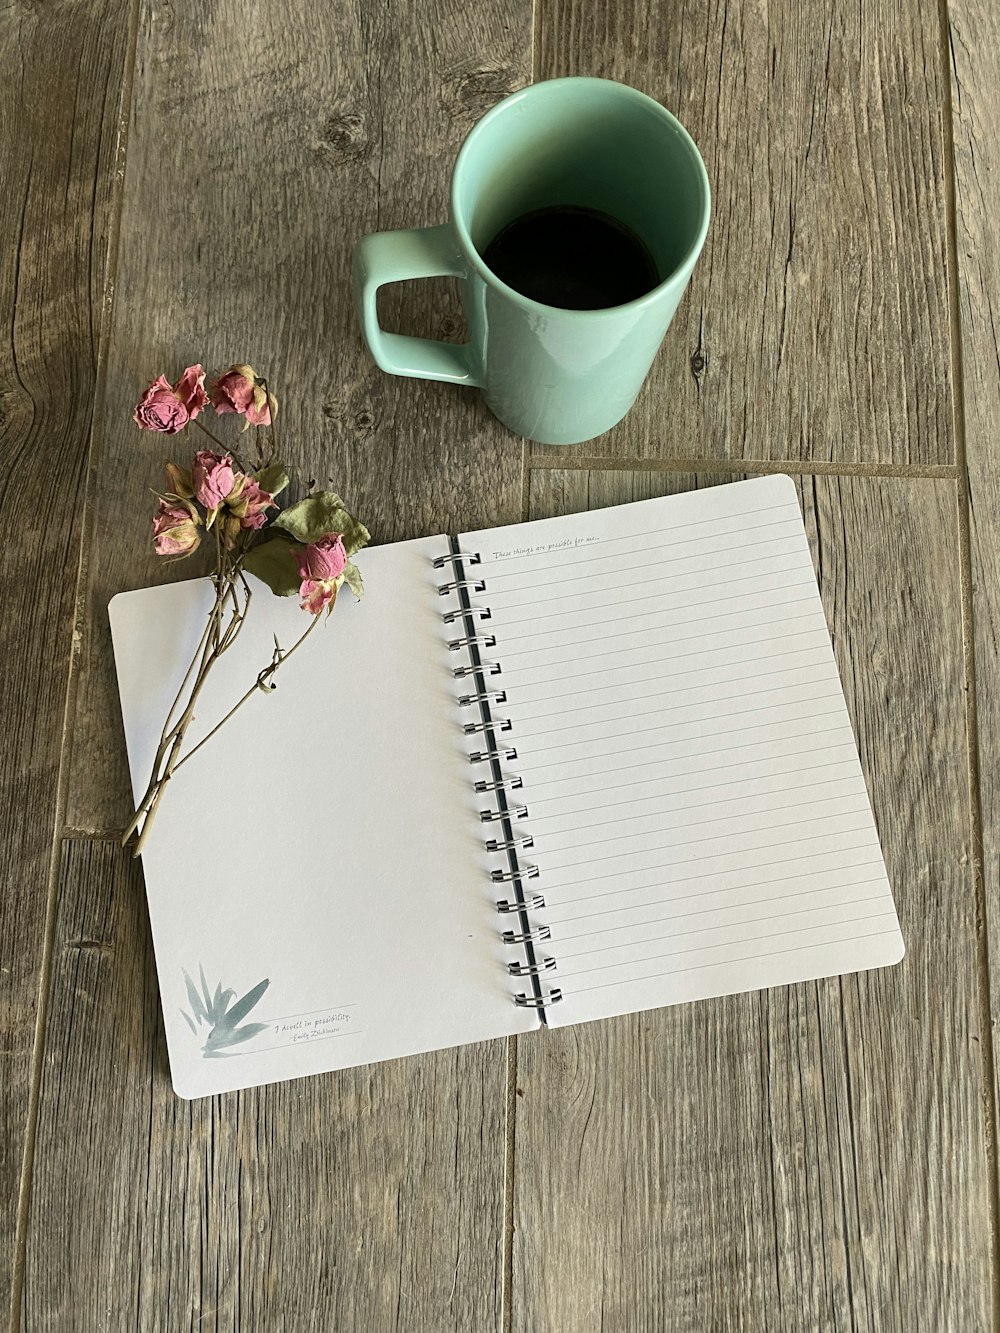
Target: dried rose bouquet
(222, 501)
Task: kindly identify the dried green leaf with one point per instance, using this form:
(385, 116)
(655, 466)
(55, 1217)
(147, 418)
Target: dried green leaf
(272, 478)
(318, 515)
(352, 577)
(180, 482)
(274, 563)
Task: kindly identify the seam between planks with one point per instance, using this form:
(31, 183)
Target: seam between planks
(525, 482)
(969, 656)
(72, 680)
(764, 467)
(507, 1289)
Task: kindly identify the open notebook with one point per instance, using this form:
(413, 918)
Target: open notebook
(539, 775)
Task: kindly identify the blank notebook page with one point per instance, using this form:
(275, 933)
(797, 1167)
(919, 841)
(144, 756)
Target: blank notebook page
(326, 839)
(700, 820)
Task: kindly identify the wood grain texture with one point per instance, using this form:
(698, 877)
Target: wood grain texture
(369, 1199)
(817, 323)
(60, 87)
(975, 86)
(811, 1158)
(333, 121)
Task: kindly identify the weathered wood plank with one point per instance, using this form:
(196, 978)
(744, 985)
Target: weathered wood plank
(817, 324)
(975, 88)
(370, 1199)
(284, 150)
(61, 85)
(812, 1157)
(262, 144)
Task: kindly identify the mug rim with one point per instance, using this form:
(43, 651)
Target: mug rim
(526, 302)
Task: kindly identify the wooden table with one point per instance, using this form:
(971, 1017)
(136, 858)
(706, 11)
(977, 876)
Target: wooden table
(185, 180)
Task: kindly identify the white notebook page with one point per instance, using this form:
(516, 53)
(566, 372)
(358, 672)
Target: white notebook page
(700, 819)
(326, 839)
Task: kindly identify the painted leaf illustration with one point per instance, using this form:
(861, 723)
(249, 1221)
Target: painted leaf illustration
(225, 1023)
(242, 1007)
(219, 1040)
(195, 999)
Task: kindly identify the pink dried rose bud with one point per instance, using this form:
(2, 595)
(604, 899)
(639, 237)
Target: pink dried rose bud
(317, 594)
(175, 528)
(160, 409)
(260, 410)
(250, 503)
(233, 390)
(321, 564)
(190, 389)
(238, 390)
(213, 478)
(323, 559)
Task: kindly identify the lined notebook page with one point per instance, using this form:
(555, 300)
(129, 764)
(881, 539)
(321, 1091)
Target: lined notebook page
(700, 819)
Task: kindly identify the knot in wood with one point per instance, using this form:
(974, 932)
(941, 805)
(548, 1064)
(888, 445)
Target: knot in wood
(344, 138)
(473, 93)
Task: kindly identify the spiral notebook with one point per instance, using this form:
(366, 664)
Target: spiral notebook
(540, 775)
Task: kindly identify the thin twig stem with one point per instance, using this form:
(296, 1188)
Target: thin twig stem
(226, 448)
(211, 435)
(171, 739)
(272, 407)
(260, 684)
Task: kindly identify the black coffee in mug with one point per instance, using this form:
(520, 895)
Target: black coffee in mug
(573, 258)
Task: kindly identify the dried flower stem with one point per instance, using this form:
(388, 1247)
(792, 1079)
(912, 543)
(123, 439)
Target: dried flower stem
(272, 406)
(225, 448)
(215, 640)
(211, 435)
(172, 736)
(263, 682)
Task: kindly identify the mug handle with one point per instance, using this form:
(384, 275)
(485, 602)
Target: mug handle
(398, 256)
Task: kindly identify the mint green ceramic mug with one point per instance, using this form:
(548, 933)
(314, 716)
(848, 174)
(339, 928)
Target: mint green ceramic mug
(554, 375)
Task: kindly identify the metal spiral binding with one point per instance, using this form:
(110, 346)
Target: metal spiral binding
(487, 640)
(484, 696)
(501, 724)
(483, 612)
(533, 936)
(457, 557)
(525, 934)
(515, 812)
(538, 1001)
(535, 902)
